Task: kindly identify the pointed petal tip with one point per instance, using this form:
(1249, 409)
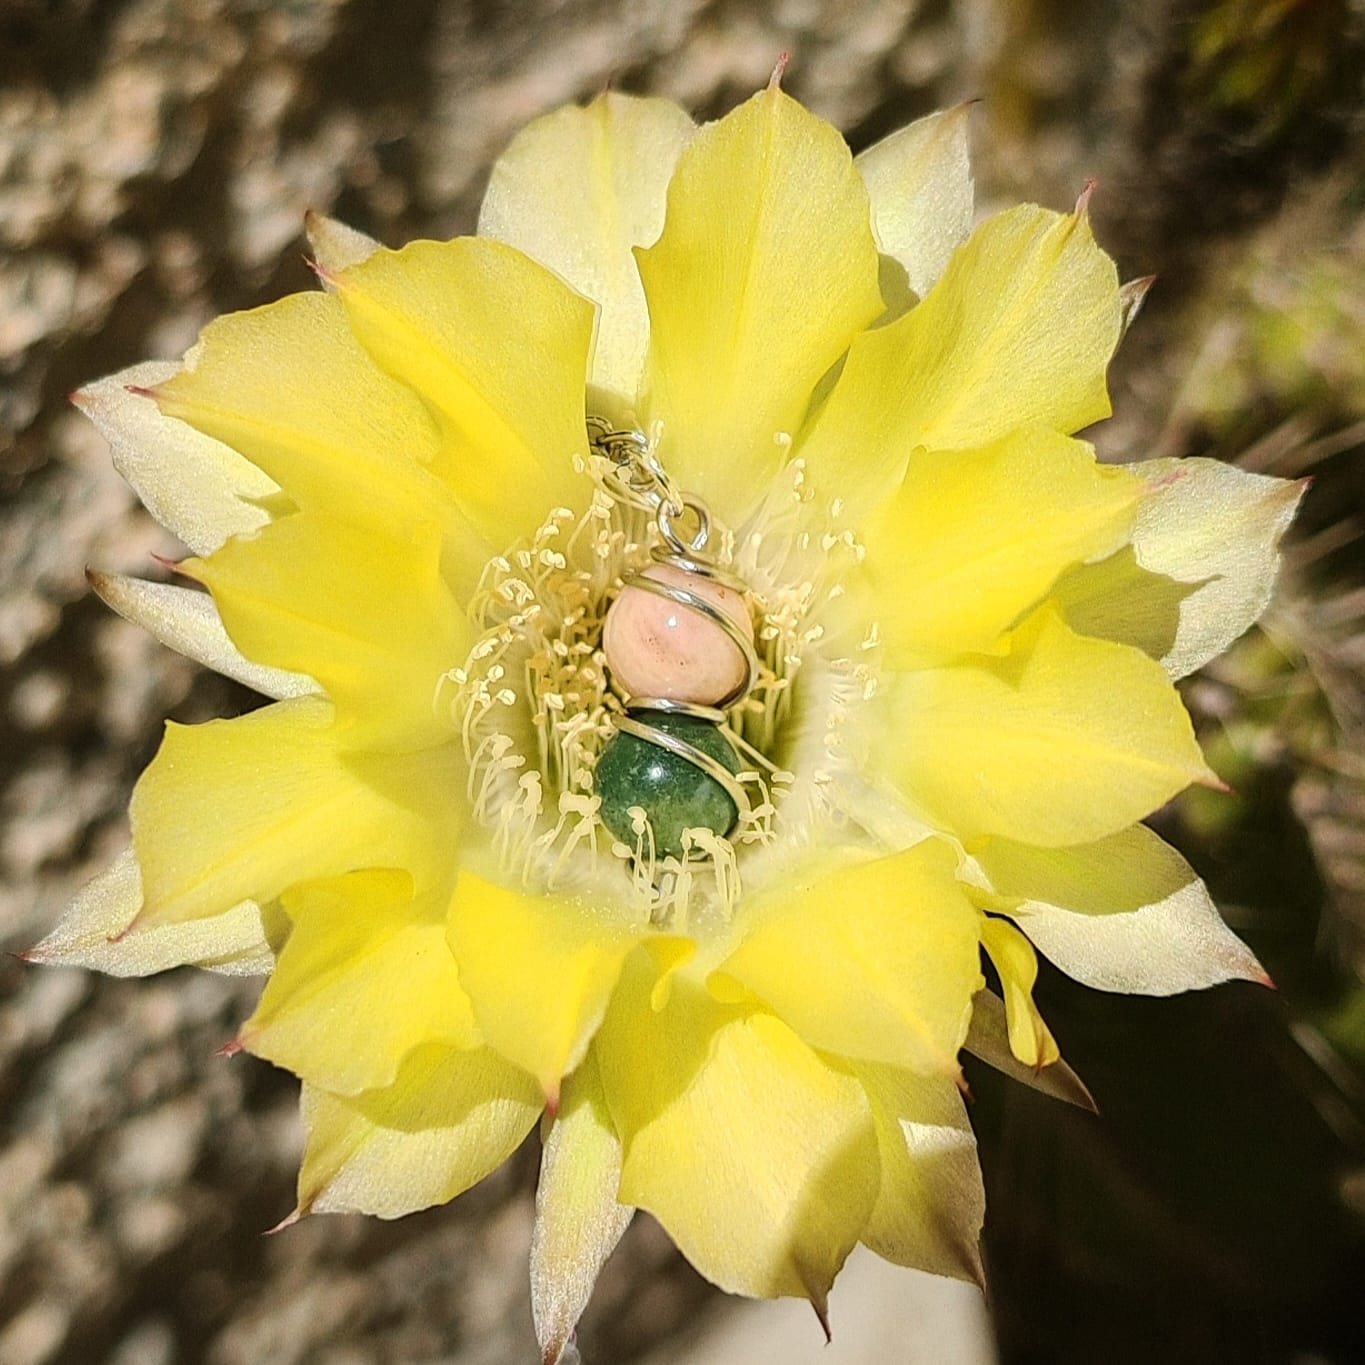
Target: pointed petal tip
(231, 1048)
(822, 1316)
(1082, 209)
(983, 1282)
(175, 566)
(779, 70)
(816, 1284)
(973, 1266)
(1070, 1087)
(555, 1351)
(1293, 493)
(286, 1222)
(331, 278)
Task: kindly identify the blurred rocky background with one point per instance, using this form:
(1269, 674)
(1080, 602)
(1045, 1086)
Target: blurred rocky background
(156, 159)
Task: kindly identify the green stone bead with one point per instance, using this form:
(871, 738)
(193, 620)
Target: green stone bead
(674, 794)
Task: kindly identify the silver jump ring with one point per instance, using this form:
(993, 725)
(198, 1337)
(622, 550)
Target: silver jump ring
(668, 514)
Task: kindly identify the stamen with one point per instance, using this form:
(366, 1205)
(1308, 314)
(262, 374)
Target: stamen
(534, 706)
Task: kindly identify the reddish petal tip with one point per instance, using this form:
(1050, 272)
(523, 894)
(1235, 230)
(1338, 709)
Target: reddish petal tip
(176, 566)
(780, 70)
(321, 271)
(231, 1048)
(1083, 199)
(287, 1221)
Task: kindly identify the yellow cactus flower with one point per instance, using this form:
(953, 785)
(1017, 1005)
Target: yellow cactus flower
(729, 970)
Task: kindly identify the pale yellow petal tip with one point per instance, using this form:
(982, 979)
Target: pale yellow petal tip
(335, 245)
(1132, 295)
(1204, 776)
(296, 1215)
(96, 399)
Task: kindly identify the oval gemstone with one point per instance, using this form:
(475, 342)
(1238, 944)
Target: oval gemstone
(659, 648)
(674, 793)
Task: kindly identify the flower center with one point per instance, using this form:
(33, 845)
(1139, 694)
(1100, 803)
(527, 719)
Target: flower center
(640, 685)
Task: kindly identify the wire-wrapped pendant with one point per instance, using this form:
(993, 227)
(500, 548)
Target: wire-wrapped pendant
(679, 644)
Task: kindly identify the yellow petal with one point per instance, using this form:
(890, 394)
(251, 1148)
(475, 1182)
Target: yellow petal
(498, 348)
(876, 960)
(1205, 554)
(1063, 741)
(578, 1219)
(1117, 599)
(193, 485)
(758, 1159)
(576, 190)
(765, 271)
(91, 933)
(930, 1204)
(988, 1039)
(364, 978)
(539, 971)
(919, 181)
(366, 612)
(1017, 333)
(450, 1119)
(1031, 1040)
(188, 622)
(290, 387)
(240, 809)
(972, 540)
(1124, 914)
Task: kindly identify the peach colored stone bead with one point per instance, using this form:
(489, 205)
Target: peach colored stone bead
(658, 648)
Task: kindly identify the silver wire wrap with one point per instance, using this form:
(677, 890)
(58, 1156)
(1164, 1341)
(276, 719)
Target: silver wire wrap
(637, 478)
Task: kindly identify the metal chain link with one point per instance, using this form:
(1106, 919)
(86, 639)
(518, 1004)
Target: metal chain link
(639, 479)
